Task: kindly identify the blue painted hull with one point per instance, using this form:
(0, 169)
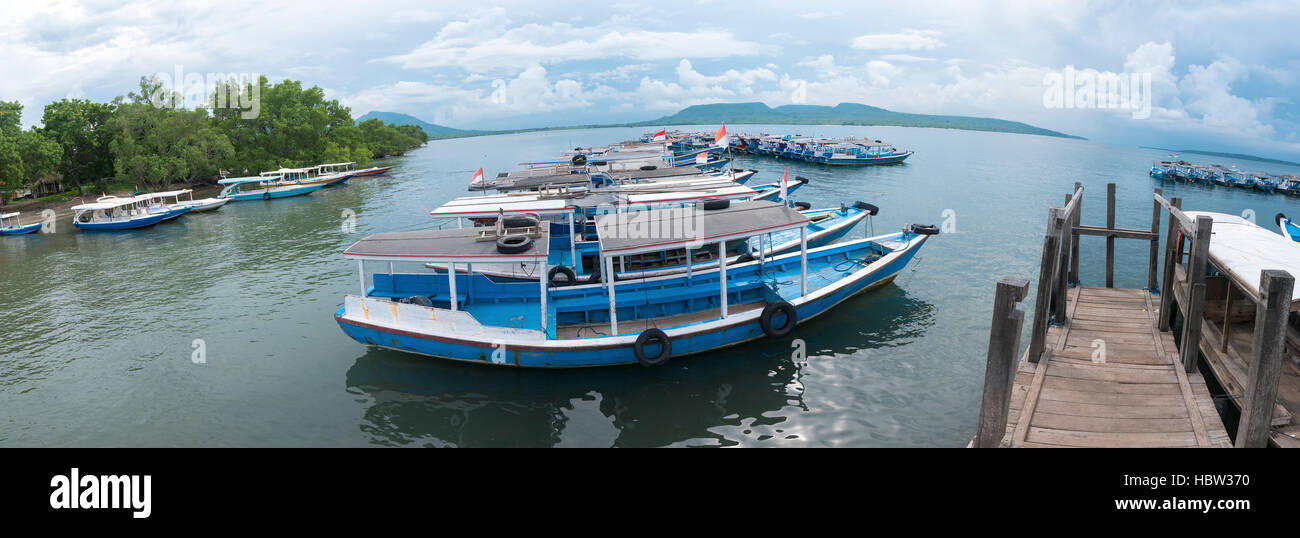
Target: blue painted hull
(136, 223)
(1290, 230)
(20, 230)
(608, 351)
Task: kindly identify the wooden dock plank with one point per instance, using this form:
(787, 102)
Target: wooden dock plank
(1138, 396)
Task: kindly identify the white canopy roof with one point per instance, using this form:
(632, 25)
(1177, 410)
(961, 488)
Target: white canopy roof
(8, 215)
(1242, 249)
(111, 203)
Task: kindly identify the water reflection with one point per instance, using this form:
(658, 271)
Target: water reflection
(752, 394)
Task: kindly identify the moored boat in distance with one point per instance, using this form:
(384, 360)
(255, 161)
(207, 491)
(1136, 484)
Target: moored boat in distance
(372, 171)
(10, 225)
(469, 317)
(262, 188)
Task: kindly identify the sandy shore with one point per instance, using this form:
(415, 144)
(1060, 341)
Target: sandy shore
(31, 208)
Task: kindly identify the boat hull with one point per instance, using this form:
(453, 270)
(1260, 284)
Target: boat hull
(136, 223)
(372, 172)
(602, 351)
(20, 230)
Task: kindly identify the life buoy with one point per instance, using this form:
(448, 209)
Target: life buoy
(513, 243)
(651, 337)
(870, 209)
(803, 206)
(716, 203)
(569, 276)
(925, 229)
(579, 160)
(770, 311)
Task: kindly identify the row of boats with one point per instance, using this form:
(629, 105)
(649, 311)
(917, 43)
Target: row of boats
(846, 151)
(1215, 174)
(635, 252)
(143, 209)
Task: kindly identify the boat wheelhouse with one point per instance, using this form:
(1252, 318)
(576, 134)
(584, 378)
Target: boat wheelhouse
(469, 317)
(10, 225)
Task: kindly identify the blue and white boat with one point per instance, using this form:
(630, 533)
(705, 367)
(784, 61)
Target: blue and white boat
(825, 227)
(117, 213)
(10, 225)
(1289, 229)
(469, 317)
(856, 153)
(262, 188)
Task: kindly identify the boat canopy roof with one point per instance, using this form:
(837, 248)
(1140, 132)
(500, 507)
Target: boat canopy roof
(236, 180)
(168, 194)
(8, 215)
(454, 245)
(334, 164)
(623, 234)
(111, 203)
(489, 206)
(1242, 249)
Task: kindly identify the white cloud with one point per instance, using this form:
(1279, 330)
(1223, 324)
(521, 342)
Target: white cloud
(908, 40)
(489, 43)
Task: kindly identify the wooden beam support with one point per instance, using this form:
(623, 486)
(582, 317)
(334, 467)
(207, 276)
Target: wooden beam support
(1266, 358)
(999, 374)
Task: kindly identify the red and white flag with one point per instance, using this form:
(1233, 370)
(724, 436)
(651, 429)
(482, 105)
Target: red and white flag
(702, 157)
(660, 136)
(478, 177)
(785, 180)
(720, 137)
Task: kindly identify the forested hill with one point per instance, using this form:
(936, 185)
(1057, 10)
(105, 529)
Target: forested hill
(841, 114)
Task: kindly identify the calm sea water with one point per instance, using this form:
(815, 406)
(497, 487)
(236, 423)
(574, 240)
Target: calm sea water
(98, 330)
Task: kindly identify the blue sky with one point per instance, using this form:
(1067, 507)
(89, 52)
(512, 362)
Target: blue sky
(1224, 75)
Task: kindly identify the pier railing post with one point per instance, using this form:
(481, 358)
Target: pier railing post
(1196, 261)
(1074, 240)
(1155, 242)
(1062, 280)
(1171, 258)
(999, 375)
(1275, 289)
(1110, 239)
(1046, 282)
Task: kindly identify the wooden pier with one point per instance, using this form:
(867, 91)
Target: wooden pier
(1102, 368)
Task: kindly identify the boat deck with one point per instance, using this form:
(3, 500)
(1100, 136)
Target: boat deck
(584, 330)
(1137, 395)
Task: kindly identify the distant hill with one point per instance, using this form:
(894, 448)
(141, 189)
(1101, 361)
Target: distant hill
(1228, 155)
(841, 114)
(433, 130)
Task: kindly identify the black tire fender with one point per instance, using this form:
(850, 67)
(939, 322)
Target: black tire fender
(649, 337)
(925, 229)
(803, 206)
(514, 243)
(870, 209)
(770, 311)
(570, 277)
(716, 203)
(1278, 219)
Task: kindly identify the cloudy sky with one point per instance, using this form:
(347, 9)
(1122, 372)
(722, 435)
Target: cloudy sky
(1223, 75)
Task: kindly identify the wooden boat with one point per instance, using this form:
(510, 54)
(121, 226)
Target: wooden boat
(10, 225)
(372, 171)
(1290, 230)
(118, 213)
(470, 317)
(262, 188)
(340, 171)
(1238, 252)
(825, 227)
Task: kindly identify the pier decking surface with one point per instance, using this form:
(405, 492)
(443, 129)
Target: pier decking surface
(1138, 395)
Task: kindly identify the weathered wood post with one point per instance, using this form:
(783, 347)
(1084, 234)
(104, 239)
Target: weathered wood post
(1171, 258)
(999, 375)
(1155, 242)
(1074, 245)
(1110, 239)
(1275, 289)
(1196, 261)
(1046, 281)
(1062, 279)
